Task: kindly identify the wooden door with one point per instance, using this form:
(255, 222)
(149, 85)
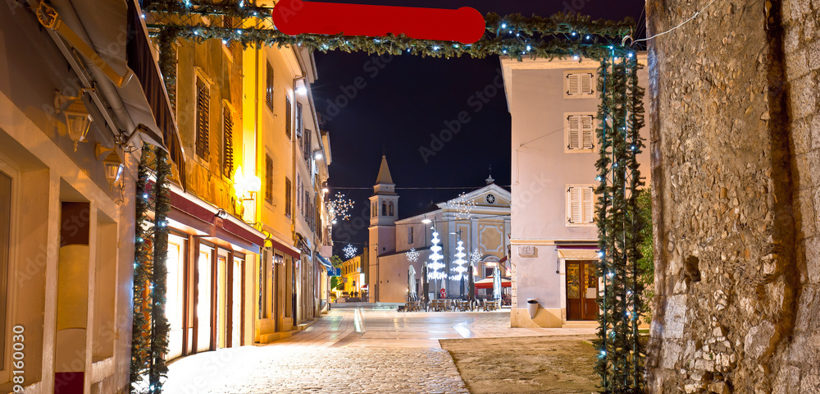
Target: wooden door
(582, 290)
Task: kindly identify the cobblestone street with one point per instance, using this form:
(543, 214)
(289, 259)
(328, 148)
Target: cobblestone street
(349, 350)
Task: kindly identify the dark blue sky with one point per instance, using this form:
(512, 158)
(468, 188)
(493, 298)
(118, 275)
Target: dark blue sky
(396, 105)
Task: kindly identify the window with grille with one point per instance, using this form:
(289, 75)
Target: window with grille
(203, 97)
(288, 117)
(269, 86)
(227, 142)
(268, 179)
(579, 84)
(579, 131)
(287, 197)
(580, 204)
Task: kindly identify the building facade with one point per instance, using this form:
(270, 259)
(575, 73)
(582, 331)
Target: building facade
(77, 102)
(483, 231)
(553, 105)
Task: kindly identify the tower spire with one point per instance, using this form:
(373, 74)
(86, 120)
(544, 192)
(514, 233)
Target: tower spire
(384, 173)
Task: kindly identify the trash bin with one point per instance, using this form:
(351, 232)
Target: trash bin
(532, 307)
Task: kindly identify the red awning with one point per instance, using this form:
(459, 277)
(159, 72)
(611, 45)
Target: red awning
(488, 283)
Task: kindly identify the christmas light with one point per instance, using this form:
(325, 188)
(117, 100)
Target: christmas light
(463, 206)
(339, 207)
(350, 251)
(412, 255)
(460, 265)
(475, 256)
(434, 265)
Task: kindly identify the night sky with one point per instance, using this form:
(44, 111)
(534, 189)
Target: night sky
(389, 105)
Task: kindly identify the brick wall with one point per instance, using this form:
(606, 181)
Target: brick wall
(736, 172)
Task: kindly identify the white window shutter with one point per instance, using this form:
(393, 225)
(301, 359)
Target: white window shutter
(589, 204)
(573, 84)
(586, 84)
(573, 125)
(575, 209)
(587, 132)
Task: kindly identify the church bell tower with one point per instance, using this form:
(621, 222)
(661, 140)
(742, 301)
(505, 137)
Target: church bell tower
(384, 211)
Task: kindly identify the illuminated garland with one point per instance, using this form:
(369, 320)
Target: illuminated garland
(149, 336)
(621, 355)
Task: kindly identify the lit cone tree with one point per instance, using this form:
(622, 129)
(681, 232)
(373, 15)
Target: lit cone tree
(459, 264)
(435, 268)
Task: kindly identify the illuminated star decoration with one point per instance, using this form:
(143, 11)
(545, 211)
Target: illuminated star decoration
(475, 257)
(463, 206)
(412, 255)
(350, 251)
(339, 207)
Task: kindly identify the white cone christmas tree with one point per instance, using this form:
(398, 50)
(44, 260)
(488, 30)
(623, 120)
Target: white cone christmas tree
(435, 267)
(459, 264)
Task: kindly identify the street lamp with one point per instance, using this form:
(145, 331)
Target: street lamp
(77, 118)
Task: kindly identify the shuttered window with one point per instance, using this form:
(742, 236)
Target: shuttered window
(268, 179)
(580, 205)
(227, 142)
(269, 87)
(308, 142)
(288, 117)
(203, 98)
(287, 197)
(579, 84)
(299, 124)
(580, 131)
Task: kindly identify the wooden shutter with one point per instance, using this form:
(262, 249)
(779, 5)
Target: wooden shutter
(288, 117)
(287, 196)
(227, 143)
(573, 84)
(573, 132)
(308, 142)
(269, 87)
(586, 84)
(588, 204)
(299, 120)
(268, 179)
(574, 209)
(203, 97)
(587, 132)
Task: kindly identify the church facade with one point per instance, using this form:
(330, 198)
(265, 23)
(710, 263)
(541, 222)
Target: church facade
(479, 219)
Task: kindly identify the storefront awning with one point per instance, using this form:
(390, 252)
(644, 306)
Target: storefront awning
(331, 270)
(488, 283)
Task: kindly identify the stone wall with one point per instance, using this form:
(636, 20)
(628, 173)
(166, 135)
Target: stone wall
(735, 136)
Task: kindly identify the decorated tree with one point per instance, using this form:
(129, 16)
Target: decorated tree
(459, 264)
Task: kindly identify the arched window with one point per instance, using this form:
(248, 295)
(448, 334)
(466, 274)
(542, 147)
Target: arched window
(384, 209)
(391, 208)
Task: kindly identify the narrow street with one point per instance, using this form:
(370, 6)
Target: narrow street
(350, 350)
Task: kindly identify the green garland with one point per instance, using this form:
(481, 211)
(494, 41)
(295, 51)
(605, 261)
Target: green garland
(620, 360)
(149, 336)
(159, 333)
(140, 326)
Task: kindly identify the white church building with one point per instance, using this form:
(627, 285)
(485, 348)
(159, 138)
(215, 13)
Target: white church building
(485, 229)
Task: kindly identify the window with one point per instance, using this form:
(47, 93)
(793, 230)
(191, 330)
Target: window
(298, 193)
(5, 244)
(288, 117)
(307, 148)
(580, 205)
(410, 235)
(299, 120)
(269, 87)
(268, 179)
(384, 209)
(305, 204)
(263, 279)
(287, 196)
(391, 208)
(227, 143)
(579, 84)
(203, 97)
(579, 132)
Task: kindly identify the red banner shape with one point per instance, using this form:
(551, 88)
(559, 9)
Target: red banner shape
(293, 17)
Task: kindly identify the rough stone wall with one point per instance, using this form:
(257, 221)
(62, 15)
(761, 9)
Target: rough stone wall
(736, 180)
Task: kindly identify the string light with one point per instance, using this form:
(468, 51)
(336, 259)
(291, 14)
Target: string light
(339, 207)
(350, 251)
(434, 265)
(412, 255)
(460, 265)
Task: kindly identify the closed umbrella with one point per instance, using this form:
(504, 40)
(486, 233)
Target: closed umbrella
(411, 283)
(496, 283)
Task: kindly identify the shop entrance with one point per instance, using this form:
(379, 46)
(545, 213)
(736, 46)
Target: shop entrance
(582, 290)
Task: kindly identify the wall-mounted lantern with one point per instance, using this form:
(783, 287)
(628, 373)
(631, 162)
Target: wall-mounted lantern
(77, 118)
